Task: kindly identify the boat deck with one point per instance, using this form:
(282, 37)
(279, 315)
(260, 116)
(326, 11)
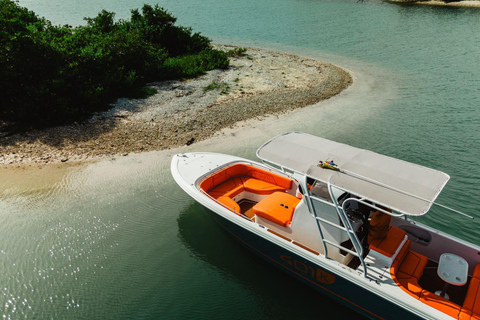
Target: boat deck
(246, 207)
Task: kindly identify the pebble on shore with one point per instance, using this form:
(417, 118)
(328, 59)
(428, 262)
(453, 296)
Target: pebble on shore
(257, 84)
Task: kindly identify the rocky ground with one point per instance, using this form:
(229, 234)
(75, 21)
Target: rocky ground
(258, 83)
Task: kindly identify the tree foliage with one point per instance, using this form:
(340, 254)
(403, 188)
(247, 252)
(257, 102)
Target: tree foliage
(52, 75)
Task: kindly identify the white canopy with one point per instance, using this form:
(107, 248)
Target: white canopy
(402, 186)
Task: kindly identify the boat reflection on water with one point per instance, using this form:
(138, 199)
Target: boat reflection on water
(250, 279)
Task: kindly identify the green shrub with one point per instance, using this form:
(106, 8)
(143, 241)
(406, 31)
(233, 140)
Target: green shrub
(213, 59)
(184, 67)
(52, 75)
(237, 52)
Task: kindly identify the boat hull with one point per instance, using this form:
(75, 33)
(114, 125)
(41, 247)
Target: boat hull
(376, 296)
(332, 285)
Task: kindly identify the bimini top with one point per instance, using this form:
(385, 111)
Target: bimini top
(402, 186)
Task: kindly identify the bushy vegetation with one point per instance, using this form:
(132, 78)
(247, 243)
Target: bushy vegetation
(237, 52)
(52, 75)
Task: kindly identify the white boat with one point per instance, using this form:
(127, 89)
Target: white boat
(313, 222)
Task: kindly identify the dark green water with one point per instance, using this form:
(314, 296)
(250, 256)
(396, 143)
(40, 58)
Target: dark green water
(120, 240)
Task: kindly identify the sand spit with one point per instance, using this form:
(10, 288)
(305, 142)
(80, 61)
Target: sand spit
(466, 3)
(257, 84)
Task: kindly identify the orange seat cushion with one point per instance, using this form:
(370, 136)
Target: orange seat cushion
(277, 207)
(468, 315)
(405, 281)
(412, 286)
(227, 182)
(269, 177)
(214, 180)
(441, 304)
(388, 245)
(260, 186)
(471, 304)
(229, 188)
(229, 203)
(412, 266)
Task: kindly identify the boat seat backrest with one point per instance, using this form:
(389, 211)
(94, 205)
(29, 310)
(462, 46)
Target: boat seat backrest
(448, 307)
(254, 179)
(229, 188)
(260, 186)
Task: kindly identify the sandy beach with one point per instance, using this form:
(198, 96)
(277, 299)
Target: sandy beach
(257, 84)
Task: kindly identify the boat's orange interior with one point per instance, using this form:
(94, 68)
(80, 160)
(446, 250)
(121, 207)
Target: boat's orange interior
(408, 267)
(226, 184)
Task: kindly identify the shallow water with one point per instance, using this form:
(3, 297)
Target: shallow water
(118, 239)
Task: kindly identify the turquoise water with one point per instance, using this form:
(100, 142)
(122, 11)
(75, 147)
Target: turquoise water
(119, 239)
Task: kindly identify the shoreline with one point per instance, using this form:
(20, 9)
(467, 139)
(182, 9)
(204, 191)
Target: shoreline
(257, 84)
(456, 4)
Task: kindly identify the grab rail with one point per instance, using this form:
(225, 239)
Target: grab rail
(342, 248)
(313, 212)
(350, 232)
(347, 229)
